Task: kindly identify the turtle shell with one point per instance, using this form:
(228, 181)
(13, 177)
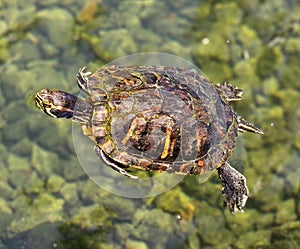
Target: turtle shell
(160, 118)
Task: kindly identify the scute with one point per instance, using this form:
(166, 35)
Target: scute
(161, 118)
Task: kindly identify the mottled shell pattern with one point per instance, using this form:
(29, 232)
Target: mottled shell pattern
(159, 118)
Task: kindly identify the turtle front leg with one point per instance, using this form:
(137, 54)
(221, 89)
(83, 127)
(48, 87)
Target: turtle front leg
(234, 189)
(112, 164)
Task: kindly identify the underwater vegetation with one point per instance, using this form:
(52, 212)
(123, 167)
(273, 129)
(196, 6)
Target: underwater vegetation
(46, 198)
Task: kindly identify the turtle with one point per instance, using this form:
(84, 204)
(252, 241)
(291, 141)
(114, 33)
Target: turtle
(157, 118)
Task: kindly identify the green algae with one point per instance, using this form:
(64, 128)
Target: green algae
(55, 183)
(210, 224)
(87, 229)
(31, 213)
(249, 39)
(228, 13)
(254, 239)
(286, 235)
(270, 86)
(133, 244)
(34, 184)
(43, 161)
(47, 203)
(289, 171)
(72, 170)
(6, 191)
(224, 71)
(290, 74)
(23, 147)
(18, 170)
(285, 212)
(4, 208)
(268, 60)
(57, 24)
(69, 193)
(93, 216)
(176, 202)
(252, 44)
(153, 224)
(216, 48)
(288, 98)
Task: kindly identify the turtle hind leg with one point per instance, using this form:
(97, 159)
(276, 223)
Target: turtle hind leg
(234, 189)
(111, 163)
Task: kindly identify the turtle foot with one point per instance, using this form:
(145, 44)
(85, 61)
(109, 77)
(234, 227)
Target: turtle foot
(234, 189)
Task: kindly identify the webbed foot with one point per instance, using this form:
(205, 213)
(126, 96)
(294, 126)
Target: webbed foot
(235, 189)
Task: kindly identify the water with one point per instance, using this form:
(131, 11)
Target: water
(46, 198)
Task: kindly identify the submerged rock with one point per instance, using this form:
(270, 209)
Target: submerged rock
(57, 24)
(286, 235)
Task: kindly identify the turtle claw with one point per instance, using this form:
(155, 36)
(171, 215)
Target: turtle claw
(110, 163)
(234, 189)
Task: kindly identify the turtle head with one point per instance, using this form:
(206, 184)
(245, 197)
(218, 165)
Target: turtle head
(60, 104)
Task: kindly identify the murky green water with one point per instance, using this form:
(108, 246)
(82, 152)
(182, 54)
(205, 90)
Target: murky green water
(47, 200)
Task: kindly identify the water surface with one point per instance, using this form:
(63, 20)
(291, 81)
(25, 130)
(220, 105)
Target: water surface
(46, 198)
